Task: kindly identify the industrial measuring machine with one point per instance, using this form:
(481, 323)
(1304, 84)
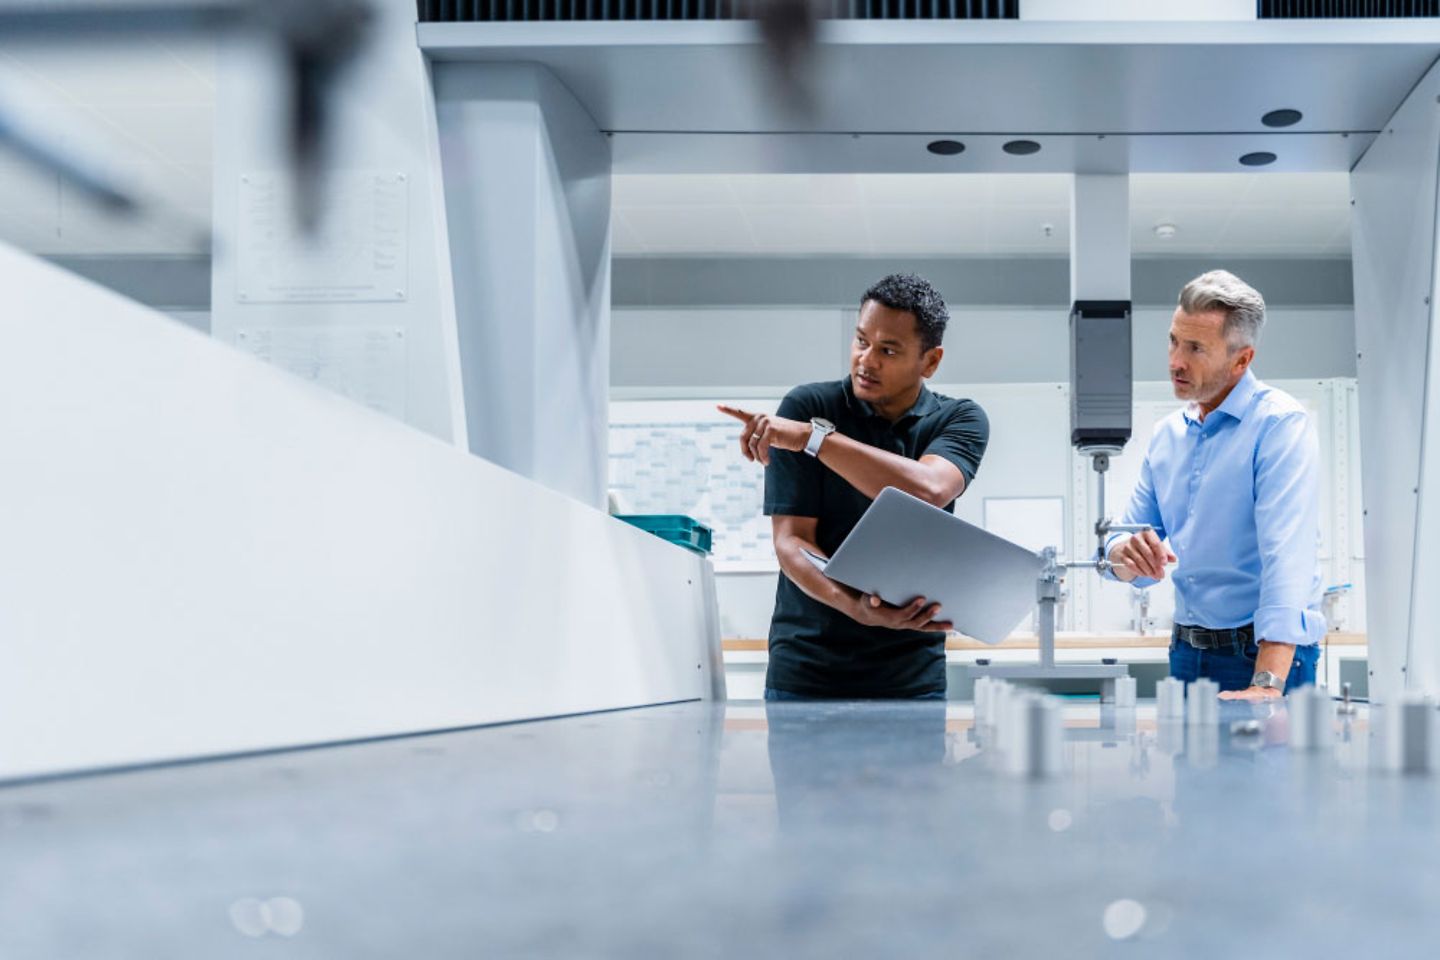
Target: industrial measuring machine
(1101, 402)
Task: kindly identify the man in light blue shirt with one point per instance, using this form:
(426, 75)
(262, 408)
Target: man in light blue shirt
(1232, 481)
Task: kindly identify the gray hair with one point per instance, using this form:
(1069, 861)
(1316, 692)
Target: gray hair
(1221, 290)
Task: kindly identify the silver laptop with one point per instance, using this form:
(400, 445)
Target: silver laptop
(904, 548)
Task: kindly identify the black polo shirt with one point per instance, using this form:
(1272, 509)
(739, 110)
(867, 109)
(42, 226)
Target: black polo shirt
(816, 650)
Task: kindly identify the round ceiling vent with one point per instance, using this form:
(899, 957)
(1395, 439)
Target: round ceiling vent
(945, 148)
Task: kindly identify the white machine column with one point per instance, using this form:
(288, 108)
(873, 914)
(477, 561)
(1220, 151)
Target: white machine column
(1100, 237)
(1394, 256)
(1101, 362)
(527, 197)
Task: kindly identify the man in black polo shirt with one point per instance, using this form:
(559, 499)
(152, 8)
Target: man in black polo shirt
(828, 452)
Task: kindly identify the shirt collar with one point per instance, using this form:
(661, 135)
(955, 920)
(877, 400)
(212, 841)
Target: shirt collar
(924, 404)
(1234, 405)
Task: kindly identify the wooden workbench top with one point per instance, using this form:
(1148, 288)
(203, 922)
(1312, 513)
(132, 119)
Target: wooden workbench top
(1063, 641)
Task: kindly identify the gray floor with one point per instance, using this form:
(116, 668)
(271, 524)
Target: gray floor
(824, 830)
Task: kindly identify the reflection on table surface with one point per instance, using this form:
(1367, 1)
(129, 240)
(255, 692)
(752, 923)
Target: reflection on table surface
(836, 829)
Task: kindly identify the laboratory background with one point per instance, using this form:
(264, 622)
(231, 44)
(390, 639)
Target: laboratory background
(379, 577)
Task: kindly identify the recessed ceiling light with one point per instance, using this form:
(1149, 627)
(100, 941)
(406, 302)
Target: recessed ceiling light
(1281, 118)
(1165, 231)
(946, 148)
(1021, 148)
(1259, 158)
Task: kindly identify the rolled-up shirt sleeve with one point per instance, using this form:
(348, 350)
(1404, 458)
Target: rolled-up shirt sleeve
(963, 440)
(1287, 525)
(1143, 508)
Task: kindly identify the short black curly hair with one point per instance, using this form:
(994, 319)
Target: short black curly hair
(905, 291)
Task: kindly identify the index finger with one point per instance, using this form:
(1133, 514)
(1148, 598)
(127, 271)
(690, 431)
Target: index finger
(735, 412)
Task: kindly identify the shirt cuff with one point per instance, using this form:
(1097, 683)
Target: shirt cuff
(1299, 626)
(1108, 574)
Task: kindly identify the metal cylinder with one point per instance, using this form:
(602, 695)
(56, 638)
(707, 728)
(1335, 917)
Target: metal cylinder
(1204, 702)
(1312, 719)
(1170, 699)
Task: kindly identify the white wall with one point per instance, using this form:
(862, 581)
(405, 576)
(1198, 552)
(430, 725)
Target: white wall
(721, 347)
(200, 554)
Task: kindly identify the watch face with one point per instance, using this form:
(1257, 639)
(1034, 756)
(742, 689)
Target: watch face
(823, 424)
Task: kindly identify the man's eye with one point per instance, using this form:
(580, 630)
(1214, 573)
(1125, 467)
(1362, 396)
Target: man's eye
(889, 353)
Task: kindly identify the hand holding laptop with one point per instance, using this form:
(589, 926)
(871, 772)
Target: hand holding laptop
(918, 614)
(870, 610)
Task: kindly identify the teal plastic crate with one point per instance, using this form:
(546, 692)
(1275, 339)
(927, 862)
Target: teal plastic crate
(681, 530)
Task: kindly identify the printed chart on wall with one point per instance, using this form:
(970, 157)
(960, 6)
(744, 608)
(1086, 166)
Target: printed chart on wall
(365, 362)
(360, 252)
(681, 456)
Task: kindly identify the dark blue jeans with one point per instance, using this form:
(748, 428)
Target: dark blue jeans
(1232, 667)
(773, 695)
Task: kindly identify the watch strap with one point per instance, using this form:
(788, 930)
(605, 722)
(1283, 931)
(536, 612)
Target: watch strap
(818, 433)
(1266, 679)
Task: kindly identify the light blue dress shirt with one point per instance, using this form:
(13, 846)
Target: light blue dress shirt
(1238, 497)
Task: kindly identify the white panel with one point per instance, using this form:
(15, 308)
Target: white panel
(1033, 522)
(680, 229)
(624, 241)
(818, 229)
(1030, 189)
(1394, 262)
(774, 348)
(1297, 228)
(204, 555)
(1023, 229)
(381, 118)
(660, 189)
(938, 189)
(1198, 229)
(895, 229)
(817, 190)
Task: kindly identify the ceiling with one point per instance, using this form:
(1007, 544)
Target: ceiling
(150, 108)
(972, 214)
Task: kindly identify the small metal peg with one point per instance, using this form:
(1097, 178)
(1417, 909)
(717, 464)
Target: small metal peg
(1347, 709)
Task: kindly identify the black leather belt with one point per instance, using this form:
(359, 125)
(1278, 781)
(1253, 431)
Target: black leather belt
(1205, 638)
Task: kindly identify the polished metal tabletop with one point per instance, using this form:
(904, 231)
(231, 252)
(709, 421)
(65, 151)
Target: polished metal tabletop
(733, 830)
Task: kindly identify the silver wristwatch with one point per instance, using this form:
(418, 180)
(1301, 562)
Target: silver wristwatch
(1268, 680)
(819, 430)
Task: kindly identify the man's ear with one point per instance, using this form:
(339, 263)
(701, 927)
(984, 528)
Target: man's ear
(1243, 359)
(932, 361)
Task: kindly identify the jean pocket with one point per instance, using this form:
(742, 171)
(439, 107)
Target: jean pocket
(1250, 651)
